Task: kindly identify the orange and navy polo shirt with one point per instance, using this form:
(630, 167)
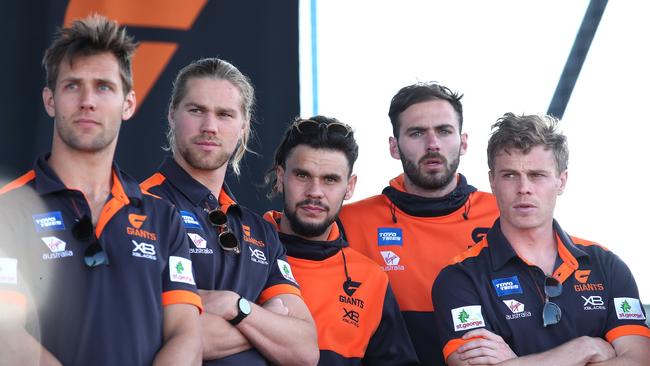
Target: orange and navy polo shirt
(258, 273)
(490, 286)
(357, 317)
(107, 315)
(412, 238)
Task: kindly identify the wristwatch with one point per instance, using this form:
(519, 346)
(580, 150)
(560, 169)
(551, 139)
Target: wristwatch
(244, 309)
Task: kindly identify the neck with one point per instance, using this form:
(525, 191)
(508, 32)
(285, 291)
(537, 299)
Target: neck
(536, 245)
(212, 179)
(89, 172)
(412, 188)
(285, 228)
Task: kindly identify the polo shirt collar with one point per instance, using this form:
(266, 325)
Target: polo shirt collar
(123, 187)
(196, 192)
(501, 251)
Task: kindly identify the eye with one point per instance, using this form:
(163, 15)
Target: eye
(445, 131)
(331, 180)
(226, 114)
(104, 87)
(70, 86)
(416, 133)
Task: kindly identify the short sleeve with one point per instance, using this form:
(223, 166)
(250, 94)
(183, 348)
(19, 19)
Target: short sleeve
(281, 279)
(626, 315)
(179, 286)
(457, 308)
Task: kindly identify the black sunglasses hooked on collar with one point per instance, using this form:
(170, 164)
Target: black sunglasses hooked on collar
(311, 127)
(94, 255)
(551, 314)
(227, 239)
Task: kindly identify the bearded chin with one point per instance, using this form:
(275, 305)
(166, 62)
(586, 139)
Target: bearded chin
(434, 181)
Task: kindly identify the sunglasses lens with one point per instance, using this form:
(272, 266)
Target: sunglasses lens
(228, 241)
(307, 127)
(551, 313)
(95, 255)
(552, 287)
(339, 129)
(217, 218)
(83, 229)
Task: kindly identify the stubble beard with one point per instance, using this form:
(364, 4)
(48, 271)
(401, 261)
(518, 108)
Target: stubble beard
(75, 140)
(201, 161)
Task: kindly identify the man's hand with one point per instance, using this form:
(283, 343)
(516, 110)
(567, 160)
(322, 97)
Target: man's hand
(221, 303)
(599, 349)
(486, 348)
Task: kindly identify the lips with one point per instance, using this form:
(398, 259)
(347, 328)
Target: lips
(311, 207)
(524, 207)
(207, 144)
(86, 122)
(432, 159)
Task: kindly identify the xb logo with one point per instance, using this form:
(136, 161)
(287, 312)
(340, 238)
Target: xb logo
(593, 301)
(143, 250)
(352, 315)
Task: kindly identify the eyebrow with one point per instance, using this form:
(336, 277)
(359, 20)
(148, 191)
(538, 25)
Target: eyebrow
(96, 80)
(424, 128)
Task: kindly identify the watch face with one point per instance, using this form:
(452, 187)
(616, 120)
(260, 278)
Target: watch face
(244, 306)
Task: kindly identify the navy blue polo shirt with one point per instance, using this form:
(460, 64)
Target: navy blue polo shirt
(260, 272)
(490, 286)
(107, 315)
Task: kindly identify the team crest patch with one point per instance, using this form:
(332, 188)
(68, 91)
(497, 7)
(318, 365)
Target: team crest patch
(190, 221)
(285, 269)
(507, 286)
(49, 221)
(628, 308)
(467, 317)
(389, 236)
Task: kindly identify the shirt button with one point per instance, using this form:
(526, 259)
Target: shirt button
(211, 197)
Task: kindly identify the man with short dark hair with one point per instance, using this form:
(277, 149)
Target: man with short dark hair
(528, 293)
(92, 270)
(357, 317)
(426, 215)
(254, 312)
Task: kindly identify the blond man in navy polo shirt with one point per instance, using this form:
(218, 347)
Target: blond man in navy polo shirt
(529, 293)
(254, 312)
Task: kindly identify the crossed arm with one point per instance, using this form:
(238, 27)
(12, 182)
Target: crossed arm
(282, 329)
(181, 332)
(487, 348)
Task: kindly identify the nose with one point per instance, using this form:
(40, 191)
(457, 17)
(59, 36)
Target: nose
(209, 125)
(432, 142)
(315, 189)
(524, 185)
(88, 101)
